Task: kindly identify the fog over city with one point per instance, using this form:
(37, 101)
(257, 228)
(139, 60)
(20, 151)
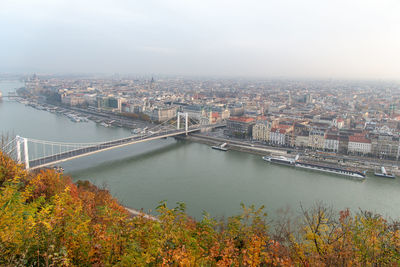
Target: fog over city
(300, 39)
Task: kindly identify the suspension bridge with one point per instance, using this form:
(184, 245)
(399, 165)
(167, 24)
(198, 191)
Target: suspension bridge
(36, 154)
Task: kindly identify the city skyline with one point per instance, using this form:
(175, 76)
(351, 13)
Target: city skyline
(284, 39)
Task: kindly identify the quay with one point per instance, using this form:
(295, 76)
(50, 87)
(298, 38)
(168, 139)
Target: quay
(341, 160)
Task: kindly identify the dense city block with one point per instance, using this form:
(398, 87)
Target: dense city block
(342, 117)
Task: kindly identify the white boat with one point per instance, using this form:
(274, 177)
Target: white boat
(313, 166)
(280, 160)
(329, 169)
(384, 173)
(221, 147)
(73, 117)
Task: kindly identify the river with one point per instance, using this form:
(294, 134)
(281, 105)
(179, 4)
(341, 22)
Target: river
(141, 175)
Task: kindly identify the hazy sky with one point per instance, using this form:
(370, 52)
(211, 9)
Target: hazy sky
(266, 38)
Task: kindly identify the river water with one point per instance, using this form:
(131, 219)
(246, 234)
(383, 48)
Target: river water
(141, 175)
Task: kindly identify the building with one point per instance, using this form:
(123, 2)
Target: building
(163, 114)
(261, 130)
(236, 110)
(301, 139)
(339, 123)
(32, 84)
(223, 113)
(287, 126)
(240, 127)
(299, 134)
(384, 146)
(331, 142)
(194, 111)
(214, 117)
(343, 143)
(110, 103)
(358, 144)
(90, 99)
(277, 136)
(72, 100)
(316, 138)
(329, 120)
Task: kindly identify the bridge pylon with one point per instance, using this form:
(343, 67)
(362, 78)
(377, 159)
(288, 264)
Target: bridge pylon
(178, 122)
(18, 142)
(26, 153)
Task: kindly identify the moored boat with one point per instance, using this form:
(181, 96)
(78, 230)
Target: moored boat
(280, 160)
(330, 169)
(221, 147)
(314, 166)
(384, 173)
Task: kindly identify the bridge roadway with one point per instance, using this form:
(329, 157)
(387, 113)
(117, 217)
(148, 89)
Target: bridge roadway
(80, 152)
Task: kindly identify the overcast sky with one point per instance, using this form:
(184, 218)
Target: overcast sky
(266, 38)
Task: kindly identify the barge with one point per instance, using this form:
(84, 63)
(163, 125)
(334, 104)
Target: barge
(330, 169)
(314, 166)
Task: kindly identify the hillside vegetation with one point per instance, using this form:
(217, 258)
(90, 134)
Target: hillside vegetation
(47, 220)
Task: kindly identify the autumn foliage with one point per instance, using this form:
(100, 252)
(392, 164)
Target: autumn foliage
(47, 220)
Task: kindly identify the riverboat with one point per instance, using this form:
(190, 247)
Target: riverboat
(384, 173)
(280, 160)
(221, 147)
(313, 166)
(330, 169)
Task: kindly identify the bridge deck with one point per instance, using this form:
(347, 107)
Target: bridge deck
(80, 152)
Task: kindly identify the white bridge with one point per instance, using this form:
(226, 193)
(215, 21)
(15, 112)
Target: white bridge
(39, 153)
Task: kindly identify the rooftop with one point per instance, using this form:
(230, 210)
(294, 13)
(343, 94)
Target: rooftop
(359, 139)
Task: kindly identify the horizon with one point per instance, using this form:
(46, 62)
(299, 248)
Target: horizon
(160, 76)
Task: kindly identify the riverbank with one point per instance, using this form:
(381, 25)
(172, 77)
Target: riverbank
(76, 114)
(214, 138)
(350, 161)
(242, 147)
(342, 161)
